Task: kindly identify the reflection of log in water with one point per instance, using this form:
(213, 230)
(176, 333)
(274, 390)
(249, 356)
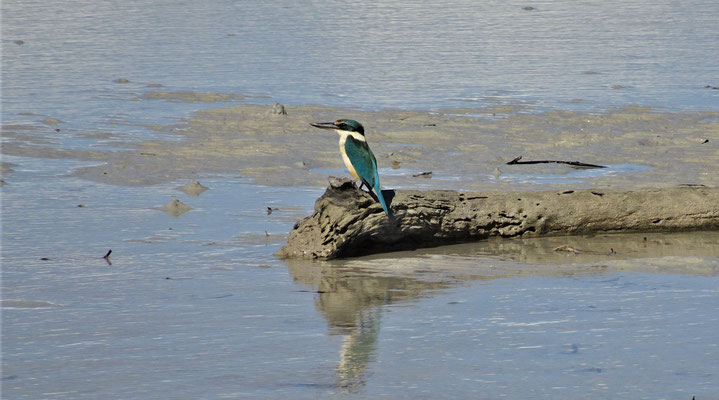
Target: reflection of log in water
(350, 294)
(598, 248)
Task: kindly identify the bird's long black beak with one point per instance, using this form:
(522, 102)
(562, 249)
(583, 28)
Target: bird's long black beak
(324, 125)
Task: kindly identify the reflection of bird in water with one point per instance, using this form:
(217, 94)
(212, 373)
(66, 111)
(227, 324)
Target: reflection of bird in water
(358, 350)
(359, 159)
(351, 297)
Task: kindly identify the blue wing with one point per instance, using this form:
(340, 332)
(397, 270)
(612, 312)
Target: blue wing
(365, 165)
(362, 160)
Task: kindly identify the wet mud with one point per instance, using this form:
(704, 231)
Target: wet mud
(464, 149)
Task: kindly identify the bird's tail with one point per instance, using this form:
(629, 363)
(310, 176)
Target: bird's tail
(378, 191)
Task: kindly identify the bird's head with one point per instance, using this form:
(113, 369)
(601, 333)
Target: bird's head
(348, 125)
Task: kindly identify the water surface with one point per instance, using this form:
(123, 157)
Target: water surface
(196, 306)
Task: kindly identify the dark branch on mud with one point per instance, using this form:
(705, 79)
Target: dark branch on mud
(576, 164)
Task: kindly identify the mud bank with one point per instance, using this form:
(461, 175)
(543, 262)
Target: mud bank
(348, 222)
(465, 149)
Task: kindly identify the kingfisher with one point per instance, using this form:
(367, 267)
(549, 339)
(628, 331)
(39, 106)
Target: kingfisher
(359, 159)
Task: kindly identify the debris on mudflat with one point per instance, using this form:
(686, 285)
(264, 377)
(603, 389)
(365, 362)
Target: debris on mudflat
(423, 175)
(575, 164)
(277, 109)
(568, 249)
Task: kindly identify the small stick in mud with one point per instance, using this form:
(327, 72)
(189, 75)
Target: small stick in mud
(107, 257)
(423, 175)
(570, 163)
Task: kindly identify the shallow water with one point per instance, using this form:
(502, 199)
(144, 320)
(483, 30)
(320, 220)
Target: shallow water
(197, 306)
(572, 175)
(566, 55)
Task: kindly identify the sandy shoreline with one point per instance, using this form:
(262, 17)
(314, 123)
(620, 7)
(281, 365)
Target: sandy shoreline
(465, 149)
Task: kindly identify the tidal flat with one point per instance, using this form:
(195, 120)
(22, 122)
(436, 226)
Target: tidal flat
(464, 149)
(195, 302)
(148, 128)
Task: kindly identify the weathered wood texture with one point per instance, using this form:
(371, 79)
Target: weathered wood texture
(348, 222)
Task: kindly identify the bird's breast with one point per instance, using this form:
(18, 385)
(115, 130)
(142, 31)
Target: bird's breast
(346, 159)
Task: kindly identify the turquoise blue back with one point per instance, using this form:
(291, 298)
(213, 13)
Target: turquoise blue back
(365, 164)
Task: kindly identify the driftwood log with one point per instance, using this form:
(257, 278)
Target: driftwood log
(348, 222)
